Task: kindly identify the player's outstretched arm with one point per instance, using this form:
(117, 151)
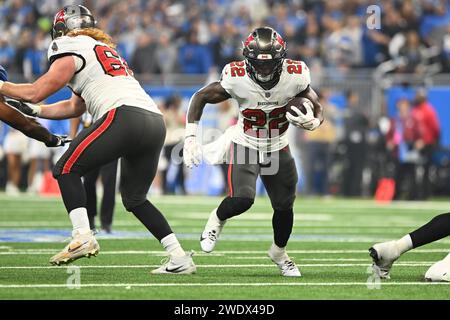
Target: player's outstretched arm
(310, 94)
(28, 126)
(66, 109)
(60, 73)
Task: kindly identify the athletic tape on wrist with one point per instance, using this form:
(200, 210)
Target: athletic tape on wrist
(191, 130)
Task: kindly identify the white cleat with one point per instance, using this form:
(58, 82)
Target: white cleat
(440, 271)
(81, 245)
(384, 255)
(210, 234)
(286, 265)
(208, 240)
(177, 265)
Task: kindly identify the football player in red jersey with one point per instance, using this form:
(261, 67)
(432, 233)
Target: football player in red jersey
(262, 84)
(127, 125)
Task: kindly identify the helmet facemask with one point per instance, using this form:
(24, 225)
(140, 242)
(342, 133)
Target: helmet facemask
(265, 70)
(59, 30)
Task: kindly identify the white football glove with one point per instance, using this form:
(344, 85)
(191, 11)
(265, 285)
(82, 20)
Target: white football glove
(305, 121)
(192, 152)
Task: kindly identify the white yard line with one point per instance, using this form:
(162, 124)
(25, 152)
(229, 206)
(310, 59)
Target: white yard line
(252, 216)
(310, 202)
(243, 237)
(299, 260)
(219, 284)
(338, 204)
(242, 223)
(306, 202)
(328, 265)
(216, 253)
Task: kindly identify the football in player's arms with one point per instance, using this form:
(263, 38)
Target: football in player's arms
(304, 108)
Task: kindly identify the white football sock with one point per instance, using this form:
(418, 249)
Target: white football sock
(172, 246)
(80, 221)
(404, 244)
(214, 221)
(278, 254)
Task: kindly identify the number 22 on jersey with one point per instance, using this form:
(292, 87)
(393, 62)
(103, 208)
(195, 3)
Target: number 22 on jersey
(237, 69)
(259, 124)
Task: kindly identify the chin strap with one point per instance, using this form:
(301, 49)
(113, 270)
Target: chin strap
(269, 84)
(265, 85)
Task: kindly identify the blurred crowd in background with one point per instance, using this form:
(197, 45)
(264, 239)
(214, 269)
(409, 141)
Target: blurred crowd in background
(348, 155)
(193, 37)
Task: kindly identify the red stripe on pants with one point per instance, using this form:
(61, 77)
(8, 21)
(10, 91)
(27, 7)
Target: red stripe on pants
(88, 140)
(230, 169)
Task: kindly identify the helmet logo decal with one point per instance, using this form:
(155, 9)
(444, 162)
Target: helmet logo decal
(281, 41)
(249, 39)
(59, 17)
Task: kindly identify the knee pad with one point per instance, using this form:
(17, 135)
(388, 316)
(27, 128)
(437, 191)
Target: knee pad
(233, 206)
(58, 169)
(244, 192)
(131, 202)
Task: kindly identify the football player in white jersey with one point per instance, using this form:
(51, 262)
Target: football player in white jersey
(128, 125)
(262, 84)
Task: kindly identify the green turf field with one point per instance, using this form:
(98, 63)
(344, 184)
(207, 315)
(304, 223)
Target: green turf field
(329, 243)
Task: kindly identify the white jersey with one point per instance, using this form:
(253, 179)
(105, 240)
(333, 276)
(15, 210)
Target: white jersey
(103, 78)
(262, 122)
